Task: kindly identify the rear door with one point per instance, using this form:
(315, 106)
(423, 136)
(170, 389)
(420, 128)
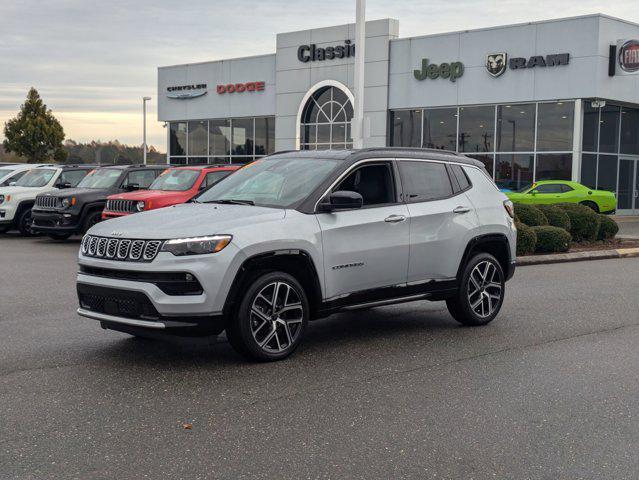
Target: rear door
(366, 248)
(441, 218)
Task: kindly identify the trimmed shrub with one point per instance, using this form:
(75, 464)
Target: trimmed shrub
(526, 239)
(556, 216)
(551, 239)
(530, 215)
(584, 222)
(608, 228)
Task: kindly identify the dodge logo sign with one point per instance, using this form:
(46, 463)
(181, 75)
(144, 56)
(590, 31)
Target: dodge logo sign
(629, 56)
(496, 63)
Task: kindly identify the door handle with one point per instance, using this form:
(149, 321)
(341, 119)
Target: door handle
(461, 209)
(395, 219)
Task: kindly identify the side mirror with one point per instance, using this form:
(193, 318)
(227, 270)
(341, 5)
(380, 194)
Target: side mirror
(132, 187)
(13, 184)
(341, 200)
(64, 185)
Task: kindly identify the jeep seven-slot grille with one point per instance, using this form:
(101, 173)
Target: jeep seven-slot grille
(120, 206)
(122, 249)
(46, 201)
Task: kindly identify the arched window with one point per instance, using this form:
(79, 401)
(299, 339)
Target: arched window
(325, 122)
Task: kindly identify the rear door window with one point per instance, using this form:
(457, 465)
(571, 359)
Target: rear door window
(72, 177)
(142, 178)
(424, 181)
(213, 177)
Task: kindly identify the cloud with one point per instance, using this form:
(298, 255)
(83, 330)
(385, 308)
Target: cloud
(92, 61)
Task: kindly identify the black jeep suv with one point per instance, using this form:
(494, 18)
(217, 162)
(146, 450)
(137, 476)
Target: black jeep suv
(62, 213)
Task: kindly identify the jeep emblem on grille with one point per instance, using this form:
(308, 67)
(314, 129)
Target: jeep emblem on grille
(117, 234)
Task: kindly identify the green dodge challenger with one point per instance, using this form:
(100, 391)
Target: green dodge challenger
(563, 191)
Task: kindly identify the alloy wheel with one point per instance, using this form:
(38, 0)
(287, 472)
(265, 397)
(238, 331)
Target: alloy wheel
(484, 289)
(276, 317)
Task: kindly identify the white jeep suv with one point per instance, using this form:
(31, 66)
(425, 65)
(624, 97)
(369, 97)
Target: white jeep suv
(17, 199)
(297, 236)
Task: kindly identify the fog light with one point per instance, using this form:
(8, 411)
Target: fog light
(189, 277)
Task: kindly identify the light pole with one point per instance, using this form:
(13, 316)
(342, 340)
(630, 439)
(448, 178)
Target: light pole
(144, 149)
(357, 128)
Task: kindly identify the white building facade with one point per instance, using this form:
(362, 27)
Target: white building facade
(547, 100)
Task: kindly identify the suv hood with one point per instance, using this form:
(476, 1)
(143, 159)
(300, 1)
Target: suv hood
(19, 190)
(150, 195)
(77, 192)
(187, 220)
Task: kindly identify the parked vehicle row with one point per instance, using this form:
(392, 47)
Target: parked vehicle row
(297, 236)
(61, 201)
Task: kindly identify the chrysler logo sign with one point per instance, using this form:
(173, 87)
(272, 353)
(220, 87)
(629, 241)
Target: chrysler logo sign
(182, 92)
(629, 56)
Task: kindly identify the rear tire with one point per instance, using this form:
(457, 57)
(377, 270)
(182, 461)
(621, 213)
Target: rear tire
(271, 319)
(93, 218)
(481, 291)
(24, 223)
(591, 205)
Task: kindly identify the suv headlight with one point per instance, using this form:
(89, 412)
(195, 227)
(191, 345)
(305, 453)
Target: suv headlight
(140, 206)
(196, 245)
(67, 202)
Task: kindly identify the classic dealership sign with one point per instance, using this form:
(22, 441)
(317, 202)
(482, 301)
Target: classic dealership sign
(313, 53)
(451, 71)
(628, 56)
(182, 92)
(241, 87)
(496, 62)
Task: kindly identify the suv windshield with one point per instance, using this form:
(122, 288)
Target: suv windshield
(5, 171)
(38, 177)
(277, 182)
(175, 180)
(101, 178)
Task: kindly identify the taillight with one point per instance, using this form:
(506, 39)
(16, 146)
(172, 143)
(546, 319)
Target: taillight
(510, 208)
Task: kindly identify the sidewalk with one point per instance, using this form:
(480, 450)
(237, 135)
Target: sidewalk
(628, 226)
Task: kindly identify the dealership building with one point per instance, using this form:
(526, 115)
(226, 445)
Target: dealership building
(556, 99)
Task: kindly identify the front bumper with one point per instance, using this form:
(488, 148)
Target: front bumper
(107, 215)
(47, 221)
(7, 213)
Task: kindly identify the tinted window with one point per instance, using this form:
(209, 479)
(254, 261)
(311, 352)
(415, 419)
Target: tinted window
(460, 176)
(219, 137)
(554, 166)
(141, 178)
(516, 128)
(72, 176)
(177, 138)
(555, 126)
(175, 180)
(609, 129)
(591, 128)
(513, 171)
(407, 128)
(630, 131)
(589, 170)
(566, 188)
(476, 129)
(198, 138)
(213, 177)
(424, 181)
(551, 188)
(607, 176)
(264, 136)
(373, 182)
(242, 136)
(440, 128)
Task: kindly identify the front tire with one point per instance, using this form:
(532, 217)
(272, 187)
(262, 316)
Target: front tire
(481, 291)
(24, 223)
(93, 218)
(271, 319)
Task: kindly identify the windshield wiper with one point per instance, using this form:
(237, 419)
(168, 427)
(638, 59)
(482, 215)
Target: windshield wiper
(231, 201)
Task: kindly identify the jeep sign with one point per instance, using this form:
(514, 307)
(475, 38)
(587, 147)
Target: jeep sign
(451, 71)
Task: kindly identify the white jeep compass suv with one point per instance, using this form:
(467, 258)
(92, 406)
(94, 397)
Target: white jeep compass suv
(297, 236)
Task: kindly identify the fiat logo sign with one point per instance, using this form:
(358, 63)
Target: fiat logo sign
(629, 56)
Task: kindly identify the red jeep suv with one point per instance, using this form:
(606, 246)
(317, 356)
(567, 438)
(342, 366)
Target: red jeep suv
(173, 186)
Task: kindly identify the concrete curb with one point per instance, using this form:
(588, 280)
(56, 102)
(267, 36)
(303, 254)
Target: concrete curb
(577, 256)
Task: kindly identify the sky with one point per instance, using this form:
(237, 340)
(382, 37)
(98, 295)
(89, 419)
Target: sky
(93, 61)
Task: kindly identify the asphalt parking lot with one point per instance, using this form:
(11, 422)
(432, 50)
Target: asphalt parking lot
(549, 390)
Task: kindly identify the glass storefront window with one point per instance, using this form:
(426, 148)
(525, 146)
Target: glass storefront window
(219, 137)
(264, 136)
(554, 166)
(630, 131)
(607, 173)
(325, 120)
(487, 160)
(590, 127)
(589, 170)
(177, 138)
(516, 128)
(555, 126)
(407, 128)
(476, 129)
(242, 135)
(609, 129)
(198, 137)
(440, 128)
(513, 171)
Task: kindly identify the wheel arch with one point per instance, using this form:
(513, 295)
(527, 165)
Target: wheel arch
(295, 262)
(495, 243)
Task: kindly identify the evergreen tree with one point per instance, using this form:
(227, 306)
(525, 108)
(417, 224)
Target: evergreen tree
(34, 133)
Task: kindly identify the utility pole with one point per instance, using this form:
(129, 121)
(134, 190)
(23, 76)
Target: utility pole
(357, 127)
(144, 149)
